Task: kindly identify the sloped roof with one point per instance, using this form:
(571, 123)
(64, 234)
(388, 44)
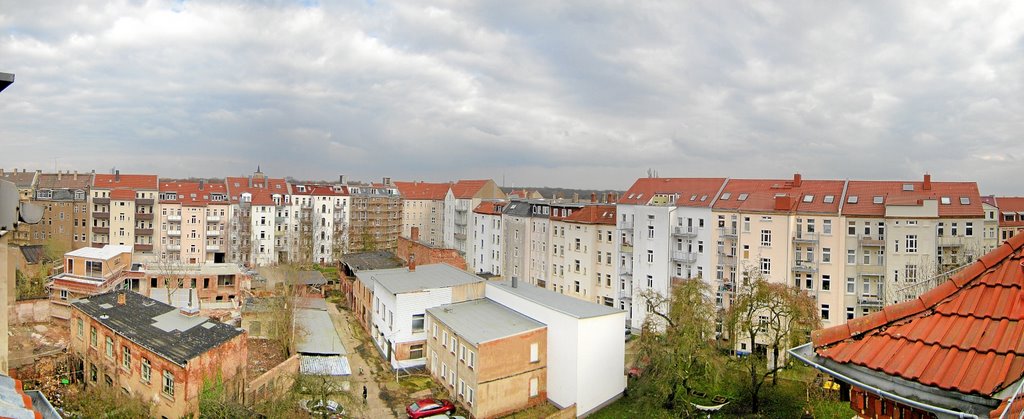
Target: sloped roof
(123, 181)
(188, 193)
(573, 307)
(966, 335)
(893, 193)
(319, 190)
(262, 190)
(490, 207)
(64, 181)
(593, 214)
(644, 188)
(1010, 204)
(413, 191)
(465, 189)
(23, 179)
(763, 195)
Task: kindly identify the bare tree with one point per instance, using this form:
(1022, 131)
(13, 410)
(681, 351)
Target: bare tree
(172, 273)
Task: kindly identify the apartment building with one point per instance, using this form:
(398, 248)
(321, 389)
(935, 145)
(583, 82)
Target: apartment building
(664, 232)
(486, 248)
(206, 285)
(787, 231)
(376, 217)
(400, 299)
(318, 218)
(587, 244)
(256, 220)
(64, 198)
(1010, 215)
(122, 209)
(459, 202)
(153, 351)
(423, 207)
(526, 230)
(193, 221)
(492, 360)
(25, 183)
(89, 271)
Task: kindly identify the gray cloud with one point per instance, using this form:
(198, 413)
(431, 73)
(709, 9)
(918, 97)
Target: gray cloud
(586, 94)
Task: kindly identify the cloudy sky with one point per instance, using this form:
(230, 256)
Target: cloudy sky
(576, 94)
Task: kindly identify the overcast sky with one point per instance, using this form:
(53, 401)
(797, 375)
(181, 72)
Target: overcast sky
(574, 94)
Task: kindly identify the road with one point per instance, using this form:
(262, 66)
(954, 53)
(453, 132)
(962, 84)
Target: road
(361, 372)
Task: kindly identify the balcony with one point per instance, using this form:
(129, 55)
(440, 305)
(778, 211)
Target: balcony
(213, 219)
(143, 201)
(174, 247)
(684, 231)
(626, 248)
(626, 276)
(871, 270)
(727, 259)
(950, 242)
(625, 225)
(174, 218)
(868, 241)
(460, 236)
(98, 244)
(143, 232)
(148, 216)
(460, 221)
(684, 257)
(143, 247)
(174, 233)
(727, 232)
(869, 301)
(101, 230)
(212, 233)
(103, 201)
(212, 248)
(804, 266)
(727, 286)
(805, 237)
(101, 215)
(461, 210)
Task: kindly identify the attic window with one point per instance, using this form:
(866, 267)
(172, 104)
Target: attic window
(742, 197)
(808, 198)
(829, 199)
(877, 199)
(693, 197)
(944, 200)
(965, 200)
(703, 198)
(852, 199)
(630, 196)
(725, 196)
(908, 187)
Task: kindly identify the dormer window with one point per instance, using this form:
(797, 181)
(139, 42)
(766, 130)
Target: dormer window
(829, 199)
(725, 196)
(852, 199)
(908, 187)
(742, 197)
(808, 199)
(44, 194)
(945, 200)
(965, 200)
(877, 199)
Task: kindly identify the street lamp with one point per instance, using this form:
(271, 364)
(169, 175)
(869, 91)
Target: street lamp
(5, 80)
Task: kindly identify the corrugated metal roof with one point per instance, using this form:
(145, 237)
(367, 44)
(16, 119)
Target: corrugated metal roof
(316, 333)
(324, 365)
(483, 320)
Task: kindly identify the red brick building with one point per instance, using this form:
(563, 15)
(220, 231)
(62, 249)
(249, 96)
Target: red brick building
(425, 253)
(150, 350)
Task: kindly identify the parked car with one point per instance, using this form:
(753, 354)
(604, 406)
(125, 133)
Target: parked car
(330, 408)
(424, 408)
(445, 416)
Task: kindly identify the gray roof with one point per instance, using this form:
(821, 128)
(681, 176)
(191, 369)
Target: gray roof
(324, 365)
(316, 334)
(33, 253)
(518, 209)
(402, 280)
(156, 326)
(483, 320)
(311, 278)
(571, 306)
(371, 260)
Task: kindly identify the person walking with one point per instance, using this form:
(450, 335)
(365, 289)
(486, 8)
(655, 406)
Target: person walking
(364, 393)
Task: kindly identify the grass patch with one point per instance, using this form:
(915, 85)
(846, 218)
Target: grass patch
(538, 411)
(415, 383)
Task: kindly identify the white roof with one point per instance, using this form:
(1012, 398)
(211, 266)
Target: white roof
(105, 253)
(433, 276)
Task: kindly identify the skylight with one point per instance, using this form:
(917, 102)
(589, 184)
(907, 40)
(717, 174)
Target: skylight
(703, 198)
(742, 197)
(908, 187)
(725, 196)
(693, 197)
(829, 199)
(808, 198)
(965, 200)
(852, 199)
(877, 199)
(945, 200)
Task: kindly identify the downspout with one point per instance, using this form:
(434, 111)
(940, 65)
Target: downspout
(878, 391)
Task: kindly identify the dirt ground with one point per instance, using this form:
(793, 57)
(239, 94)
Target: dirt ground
(264, 354)
(30, 341)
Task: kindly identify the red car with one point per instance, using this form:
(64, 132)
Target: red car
(429, 407)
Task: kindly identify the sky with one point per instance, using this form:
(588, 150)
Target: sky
(585, 94)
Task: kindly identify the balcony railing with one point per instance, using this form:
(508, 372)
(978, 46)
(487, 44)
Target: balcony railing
(625, 225)
(174, 247)
(869, 301)
(212, 233)
(460, 236)
(460, 221)
(727, 232)
(101, 200)
(805, 237)
(101, 230)
(727, 259)
(868, 241)
(626, 248)
(143, 232)
(804, 266)
(143, 201)
(101, 215)
(173, 217)
(174, 233)
(684, 257)
(143, 247)
(684, 231)
(212, 248)
(213, 219)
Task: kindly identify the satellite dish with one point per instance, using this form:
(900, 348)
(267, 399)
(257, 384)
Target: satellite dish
(8, 205)
(30, 213)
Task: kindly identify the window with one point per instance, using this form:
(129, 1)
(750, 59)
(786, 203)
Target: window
(534, 352)
(969, 229)
(454, 343)
(471, 360)
(824, 311)
(826, 227)
(146, 370)
(92, 372)
(444, 339)
(435, 332)
(965, 200)
(417, 323)
(462, 353)
(650, 232)
(650, 281)
(766, 266)
(766, 238)
(416, 351)
(911, 243)
(534, 384)
(849, 313)
(826, 255)
(650, 256)
(851, 256)
(168, 389)
(81, 327)
(852, 228)
(63, 294)
(126, 358)
(826, 282)
(462, 387)
(469, 395)
(851, 285)
(911, 272)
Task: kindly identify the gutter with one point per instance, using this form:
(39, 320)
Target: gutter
(876, 390)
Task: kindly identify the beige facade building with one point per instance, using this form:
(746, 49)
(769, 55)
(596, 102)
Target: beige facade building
(491, 359)
(586, 242)
(89, 271)
(122, 210)
(317, 222)
(193, 222)
(65, 200)
(459, 203)
(423, 207)
(1010, 215)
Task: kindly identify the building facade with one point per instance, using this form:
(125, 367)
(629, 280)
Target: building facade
(65, 200)
(122, 210)
(423, 208)
(376, 217)
(89, 271)
(25, 182)
(459, 202)
(257, 222)
(486, 238)
(317, 223)
(193, 222)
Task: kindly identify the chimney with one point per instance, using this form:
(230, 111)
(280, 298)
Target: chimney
(414, 234)
(927, 182)
(797, 179)
(250, 181)
(76, 175)
(120, 298)
(200, 184)
(387, 181)
(515, 282)
(58, 174)
(593, 197)
(117, 175)
(615, 197)
(412, 263)
(190, 310)
(341, 179)
(575, 197)
(783, 203)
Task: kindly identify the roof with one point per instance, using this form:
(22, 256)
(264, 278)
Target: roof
(123, 194)
(262, 190)
(371, 260)
(22, 179)
(895, 193)
(311, 278)
(412, 191)
(786, 195)
(645, 188)
(156, 326)
(483, 320)
(64, 181)
(104, 253)
(966, 335)
(490, 207)
(466, 189)
(573, 307)
(189, 193)
(331, 365)
(593, 214)
(1010, 204)
(316, 334)
(33, 253)
(17, 403)
(517, 208)
(141, 182)
(319, 190)
(402, 280)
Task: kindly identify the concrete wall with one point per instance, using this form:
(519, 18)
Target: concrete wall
(600, 375)
(30, 311)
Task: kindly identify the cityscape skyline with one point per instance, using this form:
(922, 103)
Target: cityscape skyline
(539, 94)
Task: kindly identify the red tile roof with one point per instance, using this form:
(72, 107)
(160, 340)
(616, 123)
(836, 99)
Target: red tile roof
(122, 194)
(188, 193)
(645, 188)
(139, 182)
(785, 195)
(423, 190)
(262, 190)
(966, 335)
(593, 214)
(465, 189)
(319, 190)
(1010, 204)
(490, 207)
(892, 193)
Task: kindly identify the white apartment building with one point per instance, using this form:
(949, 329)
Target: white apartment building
(317, 219)
(515, 231)
(664, 232)
(459, 202)
(257, 210)
(423, 207)
(486, 238)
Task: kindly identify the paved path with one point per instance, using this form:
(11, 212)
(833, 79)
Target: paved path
(374, 407)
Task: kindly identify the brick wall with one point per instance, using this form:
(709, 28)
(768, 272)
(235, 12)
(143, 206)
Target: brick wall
(276, 380)
(426, 254)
